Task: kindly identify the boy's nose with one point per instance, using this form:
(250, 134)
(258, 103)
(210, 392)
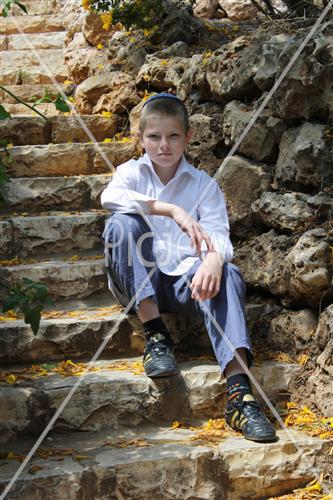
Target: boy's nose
(164, 143)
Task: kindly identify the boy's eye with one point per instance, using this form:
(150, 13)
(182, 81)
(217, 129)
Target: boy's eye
(153, 136)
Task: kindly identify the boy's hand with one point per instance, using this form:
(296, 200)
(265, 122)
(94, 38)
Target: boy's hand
(207, 280)
(191, 227)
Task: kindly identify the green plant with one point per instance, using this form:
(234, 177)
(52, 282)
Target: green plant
(8, 4)
(138, 13)
(29, 299)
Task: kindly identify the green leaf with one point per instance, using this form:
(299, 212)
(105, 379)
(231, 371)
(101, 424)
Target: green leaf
(32, 317)
(5, 11)
(48, 366)
(22, 7)
(9, 303)
(4, 113)
(61, 104)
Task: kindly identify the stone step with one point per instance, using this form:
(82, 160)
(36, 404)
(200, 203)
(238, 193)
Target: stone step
(30, 41)
(55, 160)
(42, 7)
(33, 194)
(71, 329)
(157, 462)
(35, 23)
(30, 93)
(35, 130)
(21, 111)
(32, 66)
(64, 278)
(119, 393)
(54, 233)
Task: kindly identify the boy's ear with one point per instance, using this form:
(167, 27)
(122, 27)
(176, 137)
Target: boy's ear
(189, 135)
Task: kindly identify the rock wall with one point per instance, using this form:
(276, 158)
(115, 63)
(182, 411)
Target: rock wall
(278, 185)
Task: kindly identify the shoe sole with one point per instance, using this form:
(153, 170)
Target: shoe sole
(169, 373)
(262, 440)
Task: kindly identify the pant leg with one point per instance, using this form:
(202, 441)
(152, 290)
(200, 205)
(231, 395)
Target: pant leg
(224, 314)
(130, 262)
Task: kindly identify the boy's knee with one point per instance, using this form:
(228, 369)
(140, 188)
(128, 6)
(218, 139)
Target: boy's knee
(120, 226)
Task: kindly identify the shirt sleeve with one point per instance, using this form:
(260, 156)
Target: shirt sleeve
(213, 217)
(121, 196)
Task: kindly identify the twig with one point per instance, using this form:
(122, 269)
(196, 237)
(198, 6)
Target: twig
(24, 103)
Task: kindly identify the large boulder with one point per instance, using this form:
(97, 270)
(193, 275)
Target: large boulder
(306, 90)
(242, 182)
(310, 267)
(83, 60)
(261, 141)
(284, 211)
(305, 159)
(292, 330)
(231, 71)
(238, 10)
(92, 89)
(206, 8)
(162, 73)
(93, 30)
(298, 273)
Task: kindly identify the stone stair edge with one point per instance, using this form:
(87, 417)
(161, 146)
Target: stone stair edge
(119, 393)
(39, 23)
(238, 471)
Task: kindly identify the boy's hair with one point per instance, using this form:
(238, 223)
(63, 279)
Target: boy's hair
(167, 107)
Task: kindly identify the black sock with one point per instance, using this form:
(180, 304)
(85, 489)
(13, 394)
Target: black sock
(237, 387)
(154, 326)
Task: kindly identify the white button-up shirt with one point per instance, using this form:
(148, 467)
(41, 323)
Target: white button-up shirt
(135, 182)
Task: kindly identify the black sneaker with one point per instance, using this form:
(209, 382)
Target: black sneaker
(158, 360)
(247, 417)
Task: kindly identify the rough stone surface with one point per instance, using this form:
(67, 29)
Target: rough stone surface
(206, 8)
(43, 7)
(6, 237)
(320, 383)
(37, 41)
(120, 100)
(78, 279)
(298, 273)
(40, 193)
(261, 141)
(172, 466)
(242, 182)
(35, 24)
(310, 266)
(93, 30)
(31, 92)
(163, 73)
(293, 329)
(83, 60)
(92, 89)
(306, 91)
(206, 136)
(70, 128)
(32, 66)
(238, 10)
(284, 212)
(65, 337)
(25, 130)
(53, 159)
(115, 153)
(304, 158)
(109, 398)
(60, 233)
(230, 71)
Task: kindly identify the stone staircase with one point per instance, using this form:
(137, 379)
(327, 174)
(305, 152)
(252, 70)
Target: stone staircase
(117, 428)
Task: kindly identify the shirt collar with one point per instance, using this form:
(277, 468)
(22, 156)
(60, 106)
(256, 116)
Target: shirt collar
(183, 167)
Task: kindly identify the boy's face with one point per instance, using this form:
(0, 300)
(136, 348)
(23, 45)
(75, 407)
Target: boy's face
(164, 140)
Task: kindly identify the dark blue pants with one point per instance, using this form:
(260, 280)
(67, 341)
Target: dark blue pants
(128, 270)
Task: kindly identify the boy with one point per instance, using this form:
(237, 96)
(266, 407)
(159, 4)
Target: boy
(169, 250)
